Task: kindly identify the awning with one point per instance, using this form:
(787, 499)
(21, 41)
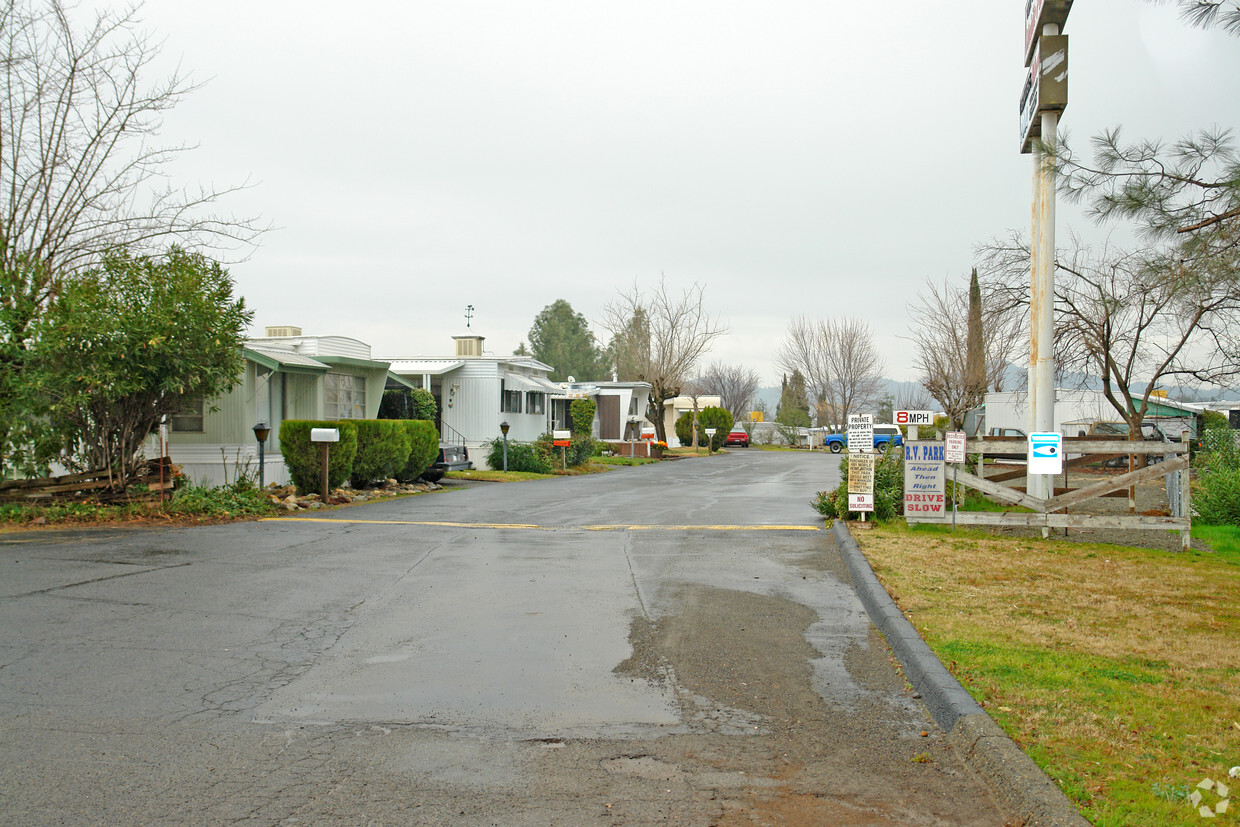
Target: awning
(514, 382)
(424, 367)
(283, 360)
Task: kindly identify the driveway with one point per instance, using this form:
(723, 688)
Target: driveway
(668, 644)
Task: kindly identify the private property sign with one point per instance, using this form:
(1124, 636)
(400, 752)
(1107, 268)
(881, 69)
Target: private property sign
(860, 433)
(924, 497)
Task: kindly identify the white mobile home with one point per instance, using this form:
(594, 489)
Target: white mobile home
(287, 376)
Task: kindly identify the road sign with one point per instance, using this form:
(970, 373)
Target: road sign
(860, 433)
(914, 418)
(1045, 453)
(953, 449)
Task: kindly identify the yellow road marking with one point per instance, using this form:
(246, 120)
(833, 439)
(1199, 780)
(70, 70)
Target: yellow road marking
(530, 527)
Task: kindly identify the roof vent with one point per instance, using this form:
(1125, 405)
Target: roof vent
(469, 345)
(283, 332)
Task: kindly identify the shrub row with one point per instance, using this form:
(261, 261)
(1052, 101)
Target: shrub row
(368, 450)
(541, 456)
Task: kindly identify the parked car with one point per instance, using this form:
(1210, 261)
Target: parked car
(1009, 432)
(884, 435)
(451, 458)
(737, 436)
(1149, 432)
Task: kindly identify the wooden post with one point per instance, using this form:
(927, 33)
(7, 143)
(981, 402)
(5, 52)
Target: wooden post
(323, 484)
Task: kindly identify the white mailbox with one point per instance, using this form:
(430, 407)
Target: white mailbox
(324, 434)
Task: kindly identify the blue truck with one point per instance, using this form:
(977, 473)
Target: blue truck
(884, 435)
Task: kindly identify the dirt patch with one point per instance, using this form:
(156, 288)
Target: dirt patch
(766, 746)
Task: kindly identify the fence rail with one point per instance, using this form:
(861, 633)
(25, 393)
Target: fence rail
(1051, 512)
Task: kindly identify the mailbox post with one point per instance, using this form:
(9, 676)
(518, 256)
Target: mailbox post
(325, 437)
(710, 439)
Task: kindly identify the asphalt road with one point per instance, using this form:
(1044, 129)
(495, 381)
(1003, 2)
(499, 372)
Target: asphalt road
(672, 644)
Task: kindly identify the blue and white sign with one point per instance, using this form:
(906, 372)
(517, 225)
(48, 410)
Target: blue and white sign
(1046, 453)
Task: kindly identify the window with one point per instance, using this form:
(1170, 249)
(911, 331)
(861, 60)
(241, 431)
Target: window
(535, 402)
(511, 402)
(345, 396)
(189, 418)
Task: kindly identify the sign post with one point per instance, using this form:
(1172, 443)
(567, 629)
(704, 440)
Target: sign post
(325, 437)
(1043, 98)
(953, 452)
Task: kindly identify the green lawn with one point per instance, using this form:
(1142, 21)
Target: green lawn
(1116, 669)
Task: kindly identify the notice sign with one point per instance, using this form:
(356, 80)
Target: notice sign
(1045, 453)
(860, 502)
(953, 448)
(860, 433)
(924, 498)
(861, 474)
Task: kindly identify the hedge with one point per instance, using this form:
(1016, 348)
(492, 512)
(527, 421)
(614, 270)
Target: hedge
(304, 459)
(423, 448)
(382, 450)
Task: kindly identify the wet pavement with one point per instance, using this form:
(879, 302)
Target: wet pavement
(667, 644)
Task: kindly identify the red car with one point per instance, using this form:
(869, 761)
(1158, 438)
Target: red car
(737, 436)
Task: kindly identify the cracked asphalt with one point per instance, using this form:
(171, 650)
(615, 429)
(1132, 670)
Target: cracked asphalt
(483, 656)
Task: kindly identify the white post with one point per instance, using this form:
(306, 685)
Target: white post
(1041, 416)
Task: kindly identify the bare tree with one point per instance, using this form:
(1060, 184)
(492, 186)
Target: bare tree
(840, 363)
(733, 384)
(659, 338)
(941, 344)
(1136, 319)
(80, 173)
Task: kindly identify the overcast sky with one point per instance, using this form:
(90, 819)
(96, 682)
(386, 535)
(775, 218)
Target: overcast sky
(819, 158)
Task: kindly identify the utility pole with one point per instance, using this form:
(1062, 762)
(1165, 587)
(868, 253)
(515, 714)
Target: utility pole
(1044, 97)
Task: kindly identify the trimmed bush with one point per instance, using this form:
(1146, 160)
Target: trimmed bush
(709, 417)
(581, 412)
(423, 448)
(529, 457)
(382, 450)
(304, 460)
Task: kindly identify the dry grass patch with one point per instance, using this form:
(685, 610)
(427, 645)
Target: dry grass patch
(1116, 669)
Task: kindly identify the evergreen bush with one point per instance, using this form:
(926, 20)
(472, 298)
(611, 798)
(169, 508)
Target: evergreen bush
(581, 412)
(888, 490)
(423, 448)
(1216, 499)
(407, 403)
(303, 457)
(382, 450)
(709, 417)
(529, 457)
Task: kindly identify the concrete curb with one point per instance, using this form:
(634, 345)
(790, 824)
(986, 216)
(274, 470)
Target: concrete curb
(1026, 792)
